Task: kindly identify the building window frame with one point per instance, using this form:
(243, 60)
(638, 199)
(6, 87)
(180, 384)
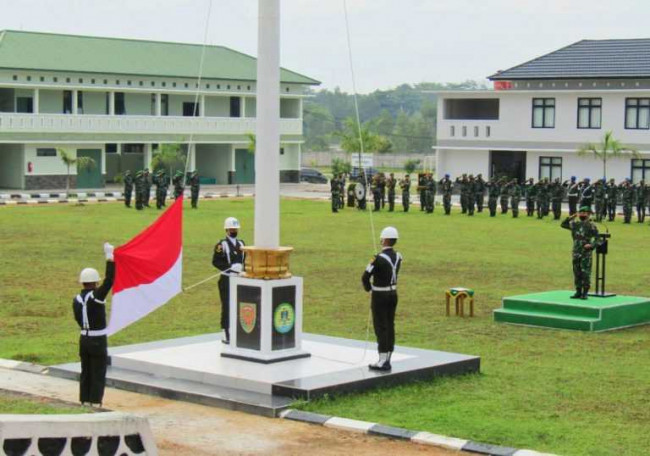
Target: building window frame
(554, 166)
(46, 152)
(640, 107)
(547, 108)
(590, 106)
(641, 165)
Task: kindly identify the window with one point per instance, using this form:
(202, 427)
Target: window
(141, 83)
(29, 78)
(207, 86)
(186, 85)
(550, 167)
(164, 104)
(81, 81)
(248, 87)
(190, 109)
(640, 170)
(153, 83)
(42, 79)
(46, 152)
(24, 104)
(164, 84)
(589, 112)
(281, 150)
(14, 77)
(133, 148)
(238, 87)
(464, 131)
(488, 131)
(475, 131)
(471, 109)
(105, 81)
(153, 104)
(67, 79)
(452, 131)
(92, 81)
(235, 107)
(543, 112)
(55, 79)
(80, 102)
(637, 113)
(173, 84)
(111, 148)
(67, 102)
(120, 107)
(228, 87)
(218, 86)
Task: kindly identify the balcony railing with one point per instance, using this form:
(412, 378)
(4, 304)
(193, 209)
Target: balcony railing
(67, 123)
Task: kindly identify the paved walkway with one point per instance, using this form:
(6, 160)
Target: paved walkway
(183, 429)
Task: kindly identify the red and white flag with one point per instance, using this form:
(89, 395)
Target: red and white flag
(149, 269)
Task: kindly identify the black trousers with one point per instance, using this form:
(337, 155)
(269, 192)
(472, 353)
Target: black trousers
(573, 205)
(93, 352)
(391, 201)
(224, 294)
(127, 196)
(384, 304)
(195, 197)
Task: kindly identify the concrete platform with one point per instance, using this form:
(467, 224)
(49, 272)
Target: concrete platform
(555, 309)
(193, 369)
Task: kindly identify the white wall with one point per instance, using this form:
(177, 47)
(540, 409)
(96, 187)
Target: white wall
(291, 157)
(457, 162)
(48, 166)
(50, 101)
(137, 104)
(216, 106)
(251, 106)
(94, 102)
(214, 160)
(12, 168)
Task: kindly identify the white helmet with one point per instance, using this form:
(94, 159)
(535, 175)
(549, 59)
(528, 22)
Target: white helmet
(231, 223)
(89, 275)
(389, 232)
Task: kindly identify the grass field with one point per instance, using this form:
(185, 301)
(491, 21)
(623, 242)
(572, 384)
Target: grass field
(557, 391)
(23, 404)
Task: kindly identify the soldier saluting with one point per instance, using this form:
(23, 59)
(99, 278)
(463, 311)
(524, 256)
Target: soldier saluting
(446, 187)
(384, 269)
(229, 258)
(585, 239)
(128, 188)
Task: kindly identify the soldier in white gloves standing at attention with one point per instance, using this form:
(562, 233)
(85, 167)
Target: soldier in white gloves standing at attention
(89, 308)
(229, 258)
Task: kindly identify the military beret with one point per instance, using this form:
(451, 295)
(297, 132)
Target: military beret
(585, 209)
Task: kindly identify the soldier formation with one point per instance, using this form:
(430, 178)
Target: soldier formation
(542, 198)
(143, 182)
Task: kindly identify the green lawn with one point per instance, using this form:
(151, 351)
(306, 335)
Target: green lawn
(23, 404)
(557, 391)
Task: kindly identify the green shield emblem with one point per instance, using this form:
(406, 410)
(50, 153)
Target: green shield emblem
(247, 316)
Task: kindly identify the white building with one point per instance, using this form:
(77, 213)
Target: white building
(542, 111)
(117, 100)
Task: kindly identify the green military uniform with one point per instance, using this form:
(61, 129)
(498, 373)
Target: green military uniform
(611, 199)
(430, 193)
(195, 187)
(422, 188)
(542, 193)
(375, 187)
(494, 189)
(515, 197)
(351, 194)
(335, 188)
(479, 192)
(139, 190)
(557, 195)
(470, 196)
(160, 179)
(641, 190)
(462, 181)
(128, 188)
(585, 240)
(586, 193)
(390, 184)
(573, 194)
(600, 193)
(178, 184)
(627, 199)
(341, 180)
(530, 193)
(446, 187)
(147, 187)
(503, 196)
(405, 185)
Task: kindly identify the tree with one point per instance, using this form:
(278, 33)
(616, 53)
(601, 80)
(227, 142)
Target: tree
(607, 149)
(252, 142)
(372, 142)
(340, 166)
(169, 157)
(410, 165)
(83, 163)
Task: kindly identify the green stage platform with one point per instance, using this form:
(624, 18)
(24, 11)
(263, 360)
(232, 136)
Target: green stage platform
(555, 309)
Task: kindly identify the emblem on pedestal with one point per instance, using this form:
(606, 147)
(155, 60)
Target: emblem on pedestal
(247, 316)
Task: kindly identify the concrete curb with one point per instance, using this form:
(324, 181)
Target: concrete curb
(54, 198)
(424, 438)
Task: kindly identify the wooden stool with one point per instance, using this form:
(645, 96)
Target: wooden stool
(459, 295)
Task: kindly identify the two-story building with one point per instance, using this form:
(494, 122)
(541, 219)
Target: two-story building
(542, 111)
(118, 100)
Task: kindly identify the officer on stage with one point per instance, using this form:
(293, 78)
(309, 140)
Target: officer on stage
(128, 188)
(384, 269)
(89, 308)
(229, 258)
(585, 240)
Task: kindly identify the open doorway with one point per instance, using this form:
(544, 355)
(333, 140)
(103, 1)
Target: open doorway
(510, 164)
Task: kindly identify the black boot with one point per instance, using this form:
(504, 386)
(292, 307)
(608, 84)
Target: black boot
(585, 293)
(226, 339)
(577, 294)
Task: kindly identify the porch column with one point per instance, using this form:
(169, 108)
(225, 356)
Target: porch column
(243, 106)
(192, 152)
(36, 102)
(202, 106)
(147, 156)
(75, 102)
(158, 104)
(111, 103)
(300, 108)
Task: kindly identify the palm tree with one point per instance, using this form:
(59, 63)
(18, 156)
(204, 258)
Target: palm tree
(69, 161)
(252, 142)
(169, 157)
(607, 149)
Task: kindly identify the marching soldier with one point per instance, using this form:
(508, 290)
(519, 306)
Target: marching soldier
(599, 199)
(335, 188)
(557, 195)
(178, 184)
(641, 198)
(376, 192)
(89, 308)
(627, 199)
(479, 191)
(128, 188)
(422, 188)
(229, 258)
(139, 191)
(405, 185)
(494, 189)
(446, 187)
(462, 181)
(515, 197)
(147, 187)
(573, 193)
(530, 192)
(384, 269)
(390, 184)
(503, 195)
(611, 195)
(585, 240)
(586, 193)
(195, 186)
(470, 196)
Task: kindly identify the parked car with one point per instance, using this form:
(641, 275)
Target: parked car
(370, 171)
(312, 176)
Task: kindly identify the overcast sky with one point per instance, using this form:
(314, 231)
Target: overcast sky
(393, 41)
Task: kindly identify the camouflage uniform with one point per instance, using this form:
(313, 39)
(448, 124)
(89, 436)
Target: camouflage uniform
(494, 188)
(405, 185)
(584, 233)
(147, 187)
(599, 199)
(611, 198)
(541, 193)
(139, 190)
(641, 198)
(627, 199)
(128, 188)
(503, 196)
(335, 188)
(462, 181)
(195, 187)
(341, 180)
(446, 187)
(430, 193)
(515, 197)
(479, 192)
(160, 179)
(390, 184)
(178, 184)
(557, 195)
(530, 191)
(422, 187)
(470, 195)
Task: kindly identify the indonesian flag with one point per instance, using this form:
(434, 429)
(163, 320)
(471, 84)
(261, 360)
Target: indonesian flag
(148, 269)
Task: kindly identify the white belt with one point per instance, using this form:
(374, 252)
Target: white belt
(93, 333)
(390, 288)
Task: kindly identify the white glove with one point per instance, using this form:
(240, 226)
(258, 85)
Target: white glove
(236, 267)
(108, 251)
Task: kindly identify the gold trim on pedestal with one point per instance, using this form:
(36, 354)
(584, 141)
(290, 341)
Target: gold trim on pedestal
(267, 264)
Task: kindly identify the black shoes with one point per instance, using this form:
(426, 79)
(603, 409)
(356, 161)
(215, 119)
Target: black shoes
(577, 294)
